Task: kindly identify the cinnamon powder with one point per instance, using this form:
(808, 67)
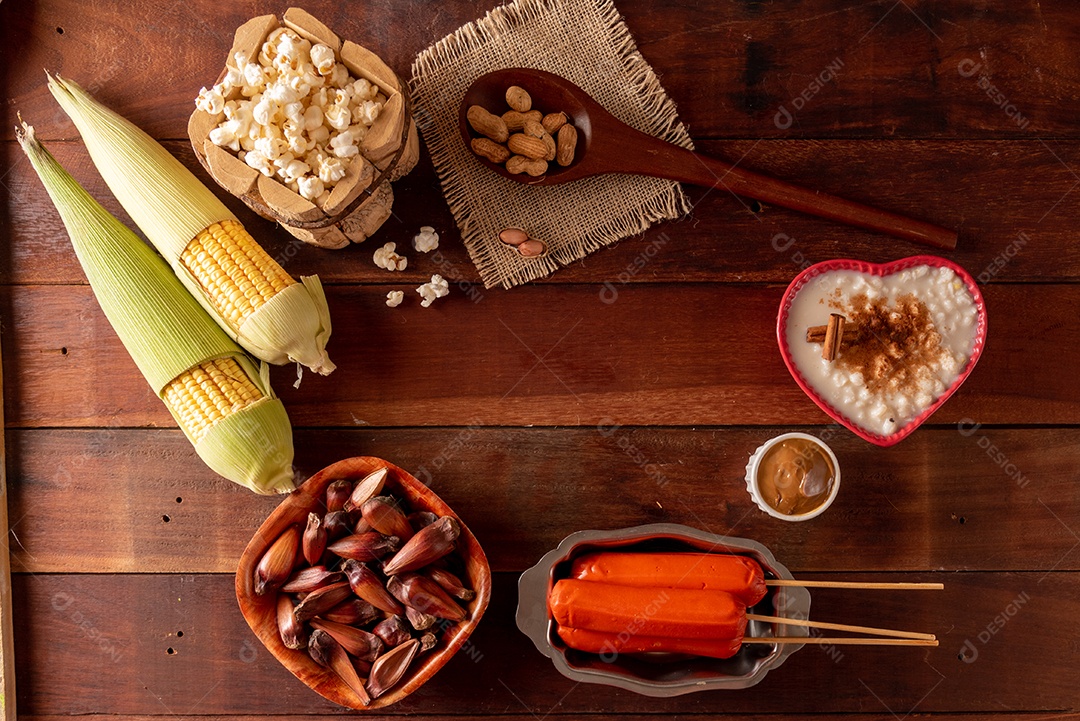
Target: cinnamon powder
(895, 348)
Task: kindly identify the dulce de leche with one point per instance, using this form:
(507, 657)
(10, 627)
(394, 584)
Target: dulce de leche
(795, 476)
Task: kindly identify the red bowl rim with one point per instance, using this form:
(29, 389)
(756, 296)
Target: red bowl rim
(881, 270)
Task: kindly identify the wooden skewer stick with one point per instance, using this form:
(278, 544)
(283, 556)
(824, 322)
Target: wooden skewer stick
(855, 584)
(841, 627)
(843, 641)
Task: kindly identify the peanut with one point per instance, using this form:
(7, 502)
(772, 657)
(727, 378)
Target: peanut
(513, 236)
(524, 139)
(552, 148)
(520, 164)
(487, 124)
(516, 164)
(532, 148)
(567, 145)
(553, 121)
(536, 168)
(491, 150)
(518, 99)
(532, 248)
(514, 120)
(533, 129)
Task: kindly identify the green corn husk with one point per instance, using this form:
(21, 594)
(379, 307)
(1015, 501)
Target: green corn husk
(166, 332)
(171, 206)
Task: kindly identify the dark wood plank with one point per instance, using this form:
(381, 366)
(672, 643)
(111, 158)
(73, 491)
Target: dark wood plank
(1036, 716)
(79, 628)
(1012, 214)
(997, 499)
(541, 355)
(903, 70)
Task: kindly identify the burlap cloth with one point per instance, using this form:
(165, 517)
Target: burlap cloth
(587, 42)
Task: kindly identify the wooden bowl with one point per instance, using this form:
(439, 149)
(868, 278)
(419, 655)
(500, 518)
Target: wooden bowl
(260, 611)
(361, 201)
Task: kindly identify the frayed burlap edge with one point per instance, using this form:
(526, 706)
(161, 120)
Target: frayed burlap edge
(490, 258)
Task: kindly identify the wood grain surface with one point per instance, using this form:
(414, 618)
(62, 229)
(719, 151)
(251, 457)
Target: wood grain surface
(729, 66)
(79, 630)
(660, 354)
(628, 388)
(152, 507)
(1013, 214)
(7, 641)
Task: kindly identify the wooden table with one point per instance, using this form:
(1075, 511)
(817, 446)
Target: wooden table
(549, 409)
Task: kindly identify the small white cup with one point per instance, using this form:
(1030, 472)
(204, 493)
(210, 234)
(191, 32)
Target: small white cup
(755, 492)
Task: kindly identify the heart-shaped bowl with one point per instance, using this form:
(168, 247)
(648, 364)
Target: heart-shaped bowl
(660, 675)
(883, 270)
(260, 611)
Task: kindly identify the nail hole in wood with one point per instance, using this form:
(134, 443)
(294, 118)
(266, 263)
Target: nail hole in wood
(59, 31)
(179, 634)
(63, 351)
(179, 499)
(165, 519)
(962, 520)
(755, 207)
(170, 651)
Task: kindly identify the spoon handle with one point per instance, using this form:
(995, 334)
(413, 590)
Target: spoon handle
(647, 155)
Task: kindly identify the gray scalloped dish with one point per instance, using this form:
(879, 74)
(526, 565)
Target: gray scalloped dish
(659, 674)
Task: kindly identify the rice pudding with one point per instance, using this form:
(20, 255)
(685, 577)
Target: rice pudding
(906, 339)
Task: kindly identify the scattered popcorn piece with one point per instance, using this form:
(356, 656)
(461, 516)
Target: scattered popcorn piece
(385, 257)
(394, 298)
(437, 288)
(426, 240)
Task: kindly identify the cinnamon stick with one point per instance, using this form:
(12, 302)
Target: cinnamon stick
(834, 334)
(816, 334)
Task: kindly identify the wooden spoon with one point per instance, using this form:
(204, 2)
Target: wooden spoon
(607, 145)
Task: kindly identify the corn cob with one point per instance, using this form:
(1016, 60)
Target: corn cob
(245, 290)
(222, 402)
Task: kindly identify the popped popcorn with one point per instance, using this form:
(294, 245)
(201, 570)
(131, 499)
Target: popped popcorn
(310, 187)
(331, 169)
(212, 100)
(426, 240)
(322, 57)
(385, 257)
(437, 288)
(394, 298)
(293, 113)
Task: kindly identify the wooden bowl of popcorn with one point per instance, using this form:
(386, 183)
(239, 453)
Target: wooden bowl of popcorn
(307, 129)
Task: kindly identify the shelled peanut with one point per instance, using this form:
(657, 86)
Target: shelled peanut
(523, 139)
(366, 587)
(526, 246)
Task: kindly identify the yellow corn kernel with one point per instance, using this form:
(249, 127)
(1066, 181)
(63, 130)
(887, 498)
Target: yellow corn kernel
(207, 393)
(236, 273)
